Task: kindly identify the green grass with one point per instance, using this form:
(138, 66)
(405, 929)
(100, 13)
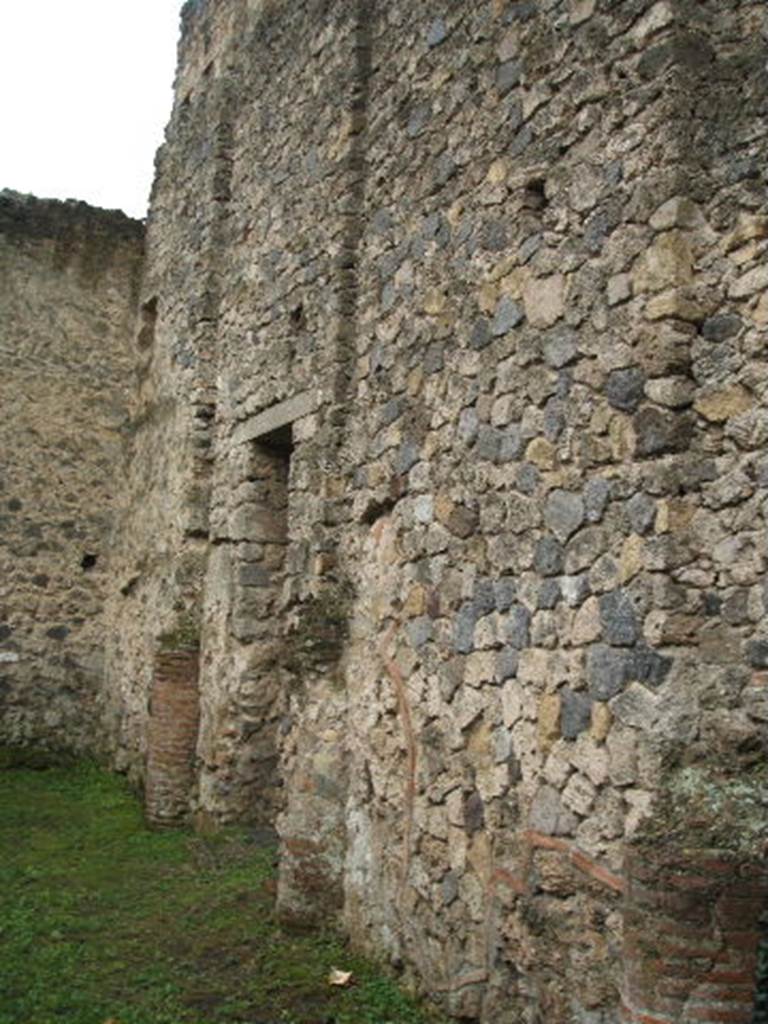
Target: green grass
(102, 920)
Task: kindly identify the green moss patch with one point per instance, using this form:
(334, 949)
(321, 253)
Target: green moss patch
(708, 808)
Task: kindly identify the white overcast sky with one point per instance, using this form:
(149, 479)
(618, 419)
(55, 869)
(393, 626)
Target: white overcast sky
(85, 93)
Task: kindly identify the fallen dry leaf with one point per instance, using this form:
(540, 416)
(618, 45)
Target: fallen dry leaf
(340, 978)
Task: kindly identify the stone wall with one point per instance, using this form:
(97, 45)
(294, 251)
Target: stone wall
(69, 279)
(455, 366)
(162, 536)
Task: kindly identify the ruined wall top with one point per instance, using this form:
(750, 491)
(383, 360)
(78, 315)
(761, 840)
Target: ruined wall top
(75, 233)
(27, 216)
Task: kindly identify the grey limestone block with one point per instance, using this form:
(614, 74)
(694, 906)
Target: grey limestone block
(625, 389)
(575, 713)
(438, 32)
(464, 627)
(564, 513)
(757, 654)
(618, 618)
(549, 556)
(508, 315)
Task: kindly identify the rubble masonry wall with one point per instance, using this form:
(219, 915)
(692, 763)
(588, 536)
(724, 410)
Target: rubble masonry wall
(69, 280)
(458, 375)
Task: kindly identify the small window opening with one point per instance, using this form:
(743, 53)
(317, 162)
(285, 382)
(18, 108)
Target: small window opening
(88, 562)
(279, 440)
(261, 571)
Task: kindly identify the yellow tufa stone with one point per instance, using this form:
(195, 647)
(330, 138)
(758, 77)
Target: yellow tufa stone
(586, 626)
(324, 563)
(487, 297)
(455, 213)
(512, 284)
(341, 140)
(631, 561)
(480, 668)
(541, 453)
(754, 281)
(623, 438)
(674, 515)
(750, 228)
(439, 79)
(506, 266)
(676, 304)
(416, 602)
(497, 172)
(544, 299)
(718, 406)
(434, 302)
(480, 856)
(415, 381)
(666, 264)
(760, 312)
(443, 508)
(660, 16)
(333, 487)
(601, 722)
(479, 744)
(548, 725)
(746, 253)
(581, 10)
(678, 212)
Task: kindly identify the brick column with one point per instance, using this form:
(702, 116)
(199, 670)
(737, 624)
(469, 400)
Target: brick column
(691, 936)
(172, 737)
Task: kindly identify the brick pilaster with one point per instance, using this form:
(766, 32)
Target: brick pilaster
(691, 937)
(172, 736)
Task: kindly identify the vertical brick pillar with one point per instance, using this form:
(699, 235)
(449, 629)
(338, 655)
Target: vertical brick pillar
(172, 736)
(691, 936)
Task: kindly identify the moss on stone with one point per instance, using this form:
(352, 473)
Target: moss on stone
(185, 636)
(35, 758)
(319, 630)
(708, 808)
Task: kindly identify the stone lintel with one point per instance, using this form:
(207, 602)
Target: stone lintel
(277, 416)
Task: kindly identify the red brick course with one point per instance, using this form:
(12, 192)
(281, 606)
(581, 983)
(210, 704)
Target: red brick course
(691, 932)
(580, 860)
(172, 737)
